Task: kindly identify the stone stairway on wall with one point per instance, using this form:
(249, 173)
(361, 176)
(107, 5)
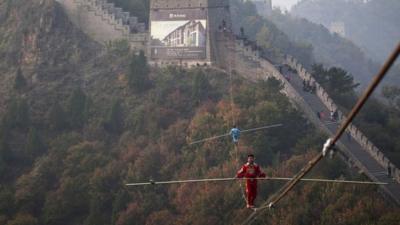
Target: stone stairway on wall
(233, 53)
(105, 23)
(358, 150)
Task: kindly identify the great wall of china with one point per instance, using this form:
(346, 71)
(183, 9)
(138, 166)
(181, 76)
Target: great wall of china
(104, 22)
(354, 131)
(360, 152)
(261, 67)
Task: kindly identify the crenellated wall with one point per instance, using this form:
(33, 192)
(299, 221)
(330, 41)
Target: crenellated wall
(354, 131)
(264, 69)
(104, 22)
(244, 57)
(247, 61)
(176, 4)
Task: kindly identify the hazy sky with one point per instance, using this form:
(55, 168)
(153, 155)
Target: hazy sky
(284, 4)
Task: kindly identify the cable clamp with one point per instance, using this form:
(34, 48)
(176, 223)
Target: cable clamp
(327, 147)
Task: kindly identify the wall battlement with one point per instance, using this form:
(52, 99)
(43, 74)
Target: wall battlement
(104, 22)
(180, 4)
(356, 134)
(244, 57)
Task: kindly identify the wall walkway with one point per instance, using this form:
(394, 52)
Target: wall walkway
(357, 149)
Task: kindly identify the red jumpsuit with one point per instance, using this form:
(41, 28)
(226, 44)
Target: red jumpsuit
(250, 171)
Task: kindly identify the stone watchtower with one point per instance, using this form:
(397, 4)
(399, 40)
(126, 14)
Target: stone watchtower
(185, 32)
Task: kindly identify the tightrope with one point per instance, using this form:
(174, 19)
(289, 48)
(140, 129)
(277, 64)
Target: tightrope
(243, 131)
(332, 141)
(258, 178)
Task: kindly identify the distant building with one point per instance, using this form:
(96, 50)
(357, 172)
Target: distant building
(191, 34)
(264, 7)
(338, 28)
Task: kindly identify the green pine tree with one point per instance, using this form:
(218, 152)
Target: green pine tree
(19, 81)
(77, 108)
(96, 216)
(5, 152)
(16, 116)
(6, 155)
(57, 118)
(138, 76)
(34, 145)
(119, 204)
(22, 116)
(200, 86)
(9, 119)
(114, 122)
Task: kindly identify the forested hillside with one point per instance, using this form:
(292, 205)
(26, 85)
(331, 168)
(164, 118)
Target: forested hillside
(274, 42)
(79, 121)
(328, 49)
(380, 121)
(373, 25)
(281, 34)
(346, 66)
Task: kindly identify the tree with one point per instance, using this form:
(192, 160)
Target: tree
(132, 215)
(5, 152)
(114, 122)
(22, 116)
(34, 145)
(138, 79)
(200, 86)
(338, 83)
(17, 115)
(161, 217)
(19, 81)
(9, 118)
(119, 204)
(392, 94)
(119, 47)
(96, 216)
(57, 118)
(77, 108)
(263, 37)
(5, 156)
(23, 219)
(7, 201)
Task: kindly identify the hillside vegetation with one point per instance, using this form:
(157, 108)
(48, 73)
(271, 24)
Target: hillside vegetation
(79, 121)
(379, 121)
(281, 33)
(373, 25)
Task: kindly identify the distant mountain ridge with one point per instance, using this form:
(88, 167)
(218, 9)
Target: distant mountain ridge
(373, 24)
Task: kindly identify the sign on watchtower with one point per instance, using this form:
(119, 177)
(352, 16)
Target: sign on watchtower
(184, 31)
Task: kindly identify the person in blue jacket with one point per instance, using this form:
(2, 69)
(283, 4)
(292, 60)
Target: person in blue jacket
(235, 133)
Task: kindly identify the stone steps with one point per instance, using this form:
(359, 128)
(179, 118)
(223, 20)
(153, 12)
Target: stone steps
(104, 22)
